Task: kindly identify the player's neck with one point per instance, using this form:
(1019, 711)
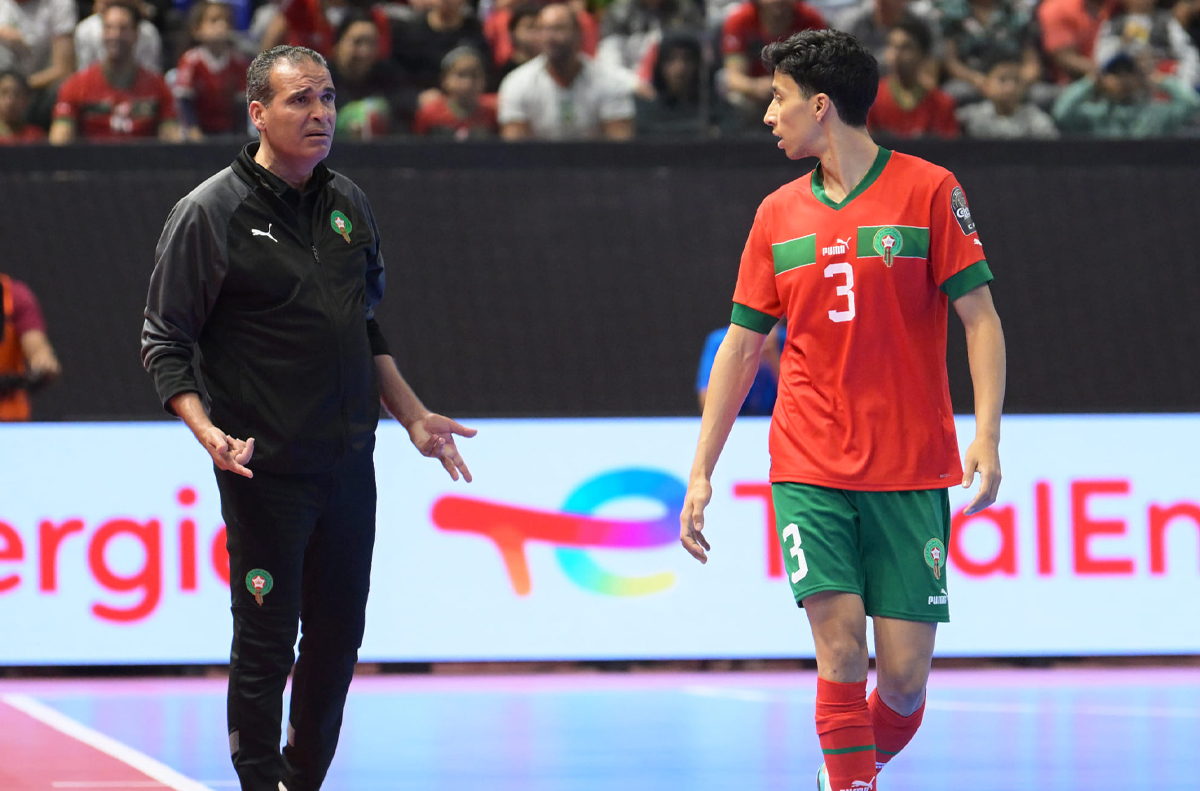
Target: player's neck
(848, 156)
(293, 174)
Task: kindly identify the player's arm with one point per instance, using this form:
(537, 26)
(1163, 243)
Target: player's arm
(733, 373)
(39, 354)
(985, 353)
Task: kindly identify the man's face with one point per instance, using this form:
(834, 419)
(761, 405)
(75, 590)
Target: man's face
(298, 123)
(215, 24)
(1123, 87)
(793, 117)
(358, 49)
(679, 72)
(119, 33)
(560, 38)
(13, 100)
(1004, 86)
(464, 81)
(525, 36)
(774, 8)
(902, 55)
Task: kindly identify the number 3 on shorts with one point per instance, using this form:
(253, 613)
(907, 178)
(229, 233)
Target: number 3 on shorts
(793, 533)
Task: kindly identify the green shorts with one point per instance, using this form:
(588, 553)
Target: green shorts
(888, 547)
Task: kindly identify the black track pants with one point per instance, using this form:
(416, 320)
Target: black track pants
(303, 544)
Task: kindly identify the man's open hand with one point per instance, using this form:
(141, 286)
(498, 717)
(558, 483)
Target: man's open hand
(433, 436)
(228, 453)
(691, 519)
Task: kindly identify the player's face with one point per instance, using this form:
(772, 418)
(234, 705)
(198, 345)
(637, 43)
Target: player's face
(793, 117)
(298, 123)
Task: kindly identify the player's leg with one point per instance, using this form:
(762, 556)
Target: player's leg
(903, 653)
(268, 521)
(337, 575)
(904, 541)
(819, 533)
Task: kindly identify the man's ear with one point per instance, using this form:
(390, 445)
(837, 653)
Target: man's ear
(822, 105)
(256, 115)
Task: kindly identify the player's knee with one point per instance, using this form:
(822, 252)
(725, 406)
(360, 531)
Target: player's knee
(903, 693)
(844, 657)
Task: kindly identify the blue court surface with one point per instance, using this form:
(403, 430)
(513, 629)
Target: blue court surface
(984, 730)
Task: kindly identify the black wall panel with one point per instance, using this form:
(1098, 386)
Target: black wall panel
(581, 280)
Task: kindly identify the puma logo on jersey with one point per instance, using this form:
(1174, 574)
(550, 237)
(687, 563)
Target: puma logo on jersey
(841, 248)
(976, 241)
(266, 233)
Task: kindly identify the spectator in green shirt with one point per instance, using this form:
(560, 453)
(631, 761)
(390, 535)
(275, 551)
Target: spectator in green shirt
(1121, 102)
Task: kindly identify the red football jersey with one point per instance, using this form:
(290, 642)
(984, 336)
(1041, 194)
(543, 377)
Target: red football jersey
(217, 86)
(742, 32)
(29, 133)
(865, 285)
(436, 118)
(933, 115)
(102, 112)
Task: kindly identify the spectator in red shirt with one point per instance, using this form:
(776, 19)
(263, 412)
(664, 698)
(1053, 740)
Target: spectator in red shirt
(908, 103)
(749, 28)
(463, 110)
(499, 33)
(311, 23)
(210, 82)
(1069, 30)
(524, 43)
(25, 351)
(14, 101)
(115, 99)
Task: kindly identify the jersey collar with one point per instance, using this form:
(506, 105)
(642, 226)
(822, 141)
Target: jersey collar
(818, 181)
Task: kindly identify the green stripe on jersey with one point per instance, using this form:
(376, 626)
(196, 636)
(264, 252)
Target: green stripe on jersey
(974, 276)
(913, 242)
(794, 254)
(751, 319)
(845, 750)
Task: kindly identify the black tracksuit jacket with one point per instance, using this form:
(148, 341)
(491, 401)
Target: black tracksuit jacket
(279, 300)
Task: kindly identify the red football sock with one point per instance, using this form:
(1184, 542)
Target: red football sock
(847, 738)
(892, 731)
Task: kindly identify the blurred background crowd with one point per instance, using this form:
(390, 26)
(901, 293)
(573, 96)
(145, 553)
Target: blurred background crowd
(75, 70)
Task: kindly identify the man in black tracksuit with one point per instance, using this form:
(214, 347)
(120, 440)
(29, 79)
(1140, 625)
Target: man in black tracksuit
(272, 269)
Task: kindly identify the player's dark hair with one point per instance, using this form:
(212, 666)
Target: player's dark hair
(352, 17)
(258, 76)
(522, 11)
(829, 62)
(133, 8)
(918, 31)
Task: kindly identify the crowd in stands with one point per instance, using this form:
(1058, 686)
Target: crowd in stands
(107, 70)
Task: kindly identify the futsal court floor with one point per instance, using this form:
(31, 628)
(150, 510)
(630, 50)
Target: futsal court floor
(984, 730)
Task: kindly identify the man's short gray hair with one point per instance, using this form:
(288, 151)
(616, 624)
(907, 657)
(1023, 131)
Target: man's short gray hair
(258, 76)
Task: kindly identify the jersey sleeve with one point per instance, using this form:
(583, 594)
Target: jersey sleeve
(756, 303)
(955, 252)
(185, 75)
(27, 313)
(67, 106)
(166, 101)
(735, 32)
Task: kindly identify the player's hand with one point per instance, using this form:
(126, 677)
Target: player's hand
(433, 436)
(691, 519)
(228, 453)
(983, 457)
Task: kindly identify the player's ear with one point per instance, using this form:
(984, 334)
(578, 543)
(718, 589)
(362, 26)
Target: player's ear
(821, 106)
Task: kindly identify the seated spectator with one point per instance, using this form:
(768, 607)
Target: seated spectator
(978, 33)
(523, 37)
(25, 351)
(371, 99)
(462, 111)
(683, 104)
(115, 99)
(499, 36)
(869, 21)
(909, 104)
(420, 44)
(1004, 112)
(210, 82)
(14, 101)
(89, 45)
(1120, 102)
(36, 41)
(1069, 29)
(749, 28)
(761, 398)
(631, 27)
(1151, 35)
(314, 23)
(562, 94)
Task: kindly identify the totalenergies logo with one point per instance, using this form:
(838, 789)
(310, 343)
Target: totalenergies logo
(574, 528)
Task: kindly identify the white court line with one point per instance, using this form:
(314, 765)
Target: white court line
(759, 696)
(105, 744)
(107, 784)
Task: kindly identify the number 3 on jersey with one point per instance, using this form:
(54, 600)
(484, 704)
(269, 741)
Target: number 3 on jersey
(792, 533)
(846, 290)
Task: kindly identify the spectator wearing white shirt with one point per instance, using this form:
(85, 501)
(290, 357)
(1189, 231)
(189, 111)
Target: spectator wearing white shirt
(35, 41)
(562, 94)
(89, 44)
